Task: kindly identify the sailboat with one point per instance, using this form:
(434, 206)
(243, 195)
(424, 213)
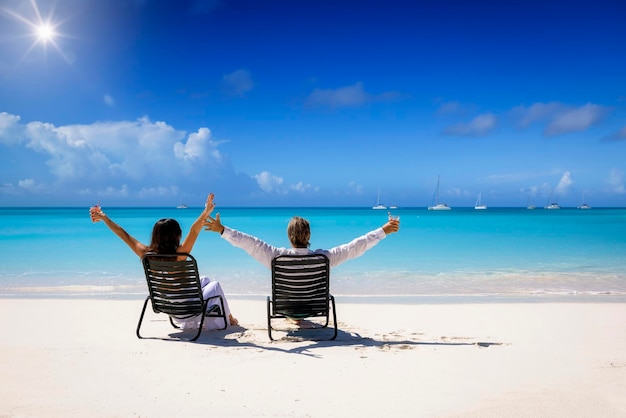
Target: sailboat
(379, 205)
(584, 205)
(478, 205)
(531, 204)
(551, 204)
(438, 205)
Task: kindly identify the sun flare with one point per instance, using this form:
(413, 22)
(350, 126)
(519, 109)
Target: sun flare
(42, 28)
(45, 33)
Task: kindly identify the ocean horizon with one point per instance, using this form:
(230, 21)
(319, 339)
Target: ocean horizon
(458, 255)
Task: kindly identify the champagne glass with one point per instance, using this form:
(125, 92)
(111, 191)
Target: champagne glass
(93, 210)
(393, 217)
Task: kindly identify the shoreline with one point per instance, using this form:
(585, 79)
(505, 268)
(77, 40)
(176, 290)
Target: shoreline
(364, 299)
(80, 357)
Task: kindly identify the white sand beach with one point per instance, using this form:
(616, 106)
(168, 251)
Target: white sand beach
(81, 358)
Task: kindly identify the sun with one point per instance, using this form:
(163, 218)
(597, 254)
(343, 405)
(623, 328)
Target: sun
(43, 30)
(45, 33)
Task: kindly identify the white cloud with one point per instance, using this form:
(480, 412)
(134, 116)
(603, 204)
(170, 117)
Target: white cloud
(9, 128)
(28, 184)
(348, 96)
(110, 191)
(300, 187)
(479, 126)
(537, 112)
(268, 182)
(564, 184)
(135, 149)
(616, 181)
(342, 97)
(158, 191)
(7, 120)
(238, 83)
(559, 118)
(617, 136)
(576, 120)
(198, 150)
(125, 158)
(120, 161)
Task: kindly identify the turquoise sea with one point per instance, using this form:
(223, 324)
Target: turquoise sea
(500, 253)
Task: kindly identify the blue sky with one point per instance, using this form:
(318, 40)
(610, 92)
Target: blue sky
(312, 103)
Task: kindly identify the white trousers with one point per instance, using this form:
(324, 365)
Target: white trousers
(209, 289)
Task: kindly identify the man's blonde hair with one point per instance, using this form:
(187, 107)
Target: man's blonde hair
(299, 232)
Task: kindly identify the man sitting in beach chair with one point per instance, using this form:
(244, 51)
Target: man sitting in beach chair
(301, 290)
(299, 234)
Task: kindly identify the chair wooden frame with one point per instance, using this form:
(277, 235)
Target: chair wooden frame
(174, 289)
(301, 289)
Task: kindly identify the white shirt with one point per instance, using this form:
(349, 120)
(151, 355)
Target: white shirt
(264, 253)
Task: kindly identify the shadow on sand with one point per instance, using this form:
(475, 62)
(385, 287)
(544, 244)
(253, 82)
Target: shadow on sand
(303, 340)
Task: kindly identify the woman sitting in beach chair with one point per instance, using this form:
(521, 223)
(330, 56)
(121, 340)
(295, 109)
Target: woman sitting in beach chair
(166, 236)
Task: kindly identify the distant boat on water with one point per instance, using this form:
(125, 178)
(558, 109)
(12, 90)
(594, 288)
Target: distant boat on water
(531, 204)
(479, 205)
(181, 206)
(438, 205)
(552, 204)
(584, 205)
(379, 205)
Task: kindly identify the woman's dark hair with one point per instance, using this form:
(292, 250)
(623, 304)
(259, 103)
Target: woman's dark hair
(166, 235)
(299, 232)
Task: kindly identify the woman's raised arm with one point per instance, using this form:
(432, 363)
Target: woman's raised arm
(137, 247)
(196, 227)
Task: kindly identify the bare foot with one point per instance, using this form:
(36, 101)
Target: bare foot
(301, 323)
(293, 321)
(233, 321)
(306, 324)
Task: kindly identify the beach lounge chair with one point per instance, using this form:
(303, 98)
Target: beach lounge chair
(175, 290)
(300, 289)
